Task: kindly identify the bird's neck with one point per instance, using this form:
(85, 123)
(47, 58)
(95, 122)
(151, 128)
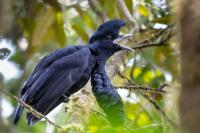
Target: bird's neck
(102, 50)
(100, 67)
(99, 78)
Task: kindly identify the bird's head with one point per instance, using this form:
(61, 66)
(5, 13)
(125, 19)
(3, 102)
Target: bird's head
(108, 35)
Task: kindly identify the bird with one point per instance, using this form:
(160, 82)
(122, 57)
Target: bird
(107, 96)
(66, 70)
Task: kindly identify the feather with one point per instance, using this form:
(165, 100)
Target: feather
(47, 85)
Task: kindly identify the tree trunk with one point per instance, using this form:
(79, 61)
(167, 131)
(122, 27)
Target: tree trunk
(2, 124)
(190, 65)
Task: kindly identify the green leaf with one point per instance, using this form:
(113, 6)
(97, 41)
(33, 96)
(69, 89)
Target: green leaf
(129, 4)
(81, 32)
(137, 71)
(59, 30)
(148, 76)
(143, 10)
(143, 119)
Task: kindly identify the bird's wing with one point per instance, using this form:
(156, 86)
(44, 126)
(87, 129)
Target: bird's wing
(108, 99)
(47, 61)
(55, 80)
(52, 82)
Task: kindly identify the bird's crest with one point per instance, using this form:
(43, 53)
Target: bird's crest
(109, 27)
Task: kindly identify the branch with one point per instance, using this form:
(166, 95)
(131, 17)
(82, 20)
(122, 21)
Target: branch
(143, 88)
(157, 107)
(113, 67)
(93, 4)
(151, 43)
(31, 110)
(125, 11)
(126, 78)
(134, 87)
(158, 90)
(99, 114)
(148, 45)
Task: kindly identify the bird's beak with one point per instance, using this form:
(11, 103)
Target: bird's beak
(121, 39)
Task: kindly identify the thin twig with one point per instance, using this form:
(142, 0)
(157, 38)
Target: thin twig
(148, 45)
(126, 78)
(31, 110)
(143, 88)
(93, 4)
(151, 43)
(98, 113)
(133, 87)
(157, 107)
(162, 86)
(158, 90)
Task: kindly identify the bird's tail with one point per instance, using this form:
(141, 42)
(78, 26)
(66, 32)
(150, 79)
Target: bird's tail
(18, 112)
(32, 119)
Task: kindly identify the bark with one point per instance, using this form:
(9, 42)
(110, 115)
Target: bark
(2, 124)
(190, 65)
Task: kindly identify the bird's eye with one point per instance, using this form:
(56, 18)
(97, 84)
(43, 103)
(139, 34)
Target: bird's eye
(109, 37)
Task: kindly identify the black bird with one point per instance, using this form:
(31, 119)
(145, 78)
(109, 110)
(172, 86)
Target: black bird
(106, 95)
(64, 71)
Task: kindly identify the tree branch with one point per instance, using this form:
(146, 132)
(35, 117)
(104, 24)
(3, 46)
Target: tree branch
(143, 88)
(125, 11)
(151, 43)
(93, 4)
(31, 110)
(158, 90)
(157, 107)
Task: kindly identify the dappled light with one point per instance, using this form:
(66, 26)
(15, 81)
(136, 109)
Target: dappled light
(145, 82)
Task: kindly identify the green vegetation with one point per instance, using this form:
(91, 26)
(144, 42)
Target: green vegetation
(37, 28)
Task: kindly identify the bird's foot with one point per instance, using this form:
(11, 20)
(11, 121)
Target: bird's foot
(64, 99)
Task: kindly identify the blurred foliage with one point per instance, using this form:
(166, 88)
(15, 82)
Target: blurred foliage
(41, 26)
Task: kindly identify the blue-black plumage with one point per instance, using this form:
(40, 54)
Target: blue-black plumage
(65, 71)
